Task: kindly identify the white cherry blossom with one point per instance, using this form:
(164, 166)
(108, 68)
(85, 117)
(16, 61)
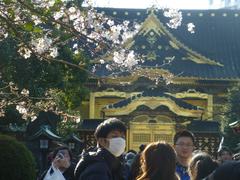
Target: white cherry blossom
(175, 18)
(25, 52)
(25, 92)
(191, 27)
(53, 52)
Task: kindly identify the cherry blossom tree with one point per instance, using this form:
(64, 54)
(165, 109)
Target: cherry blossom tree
(41, 28)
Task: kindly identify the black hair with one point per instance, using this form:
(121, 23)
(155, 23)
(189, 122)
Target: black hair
(62, 148)
(142, 147)
(184, 133)
(109, 125)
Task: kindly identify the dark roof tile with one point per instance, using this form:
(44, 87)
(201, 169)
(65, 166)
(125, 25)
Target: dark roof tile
(204, 126)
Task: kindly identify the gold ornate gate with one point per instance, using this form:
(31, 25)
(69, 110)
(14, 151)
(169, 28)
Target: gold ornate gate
(145, 132)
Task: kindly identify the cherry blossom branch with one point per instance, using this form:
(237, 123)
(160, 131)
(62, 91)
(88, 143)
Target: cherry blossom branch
(66, 26)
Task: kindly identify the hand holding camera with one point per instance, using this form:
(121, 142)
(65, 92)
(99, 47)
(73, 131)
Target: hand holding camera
(59, 156)
(60, 161)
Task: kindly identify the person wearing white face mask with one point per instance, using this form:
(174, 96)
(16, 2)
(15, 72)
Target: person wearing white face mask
(116, 146)
(104, 163)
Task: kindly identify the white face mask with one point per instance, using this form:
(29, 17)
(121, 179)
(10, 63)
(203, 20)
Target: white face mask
(116, 146)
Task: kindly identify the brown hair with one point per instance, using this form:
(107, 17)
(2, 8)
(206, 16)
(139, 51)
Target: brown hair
(158, 161)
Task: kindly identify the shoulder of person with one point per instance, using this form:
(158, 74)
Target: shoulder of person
(87, 160)
(69, 173)
(97, 170)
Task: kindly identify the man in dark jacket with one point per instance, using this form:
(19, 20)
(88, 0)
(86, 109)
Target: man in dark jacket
(104, 163)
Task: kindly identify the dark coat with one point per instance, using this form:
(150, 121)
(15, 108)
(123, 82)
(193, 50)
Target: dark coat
(99, 165)
(227, 171)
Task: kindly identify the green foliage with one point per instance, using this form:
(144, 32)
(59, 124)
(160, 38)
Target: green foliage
(40, 76)
(30, 74)
(65, 128)
(234, 100)
(28, 26)
(7, 1)
(72, 88)
(16, 161)
(231, 139)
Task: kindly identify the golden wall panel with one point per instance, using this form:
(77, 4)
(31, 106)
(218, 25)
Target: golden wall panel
(144, 133)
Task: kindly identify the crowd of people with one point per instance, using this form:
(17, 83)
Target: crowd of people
(154, 161)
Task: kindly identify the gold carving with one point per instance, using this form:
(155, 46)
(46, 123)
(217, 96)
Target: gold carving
(151, 56)
(175, 46)
(153, 103)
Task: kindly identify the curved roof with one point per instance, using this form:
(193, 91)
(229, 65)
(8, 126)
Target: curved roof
(150, 93)
(209, 53)
(45, 131)
(73, 137)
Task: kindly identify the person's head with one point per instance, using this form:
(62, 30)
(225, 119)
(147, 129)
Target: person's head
(201, 165)
(141, 147)
(229, 170)
(110, 134)
(184, 144)
(63, 152)
(225, 154)
(132, 151)
(129, 157)
(158, 161)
